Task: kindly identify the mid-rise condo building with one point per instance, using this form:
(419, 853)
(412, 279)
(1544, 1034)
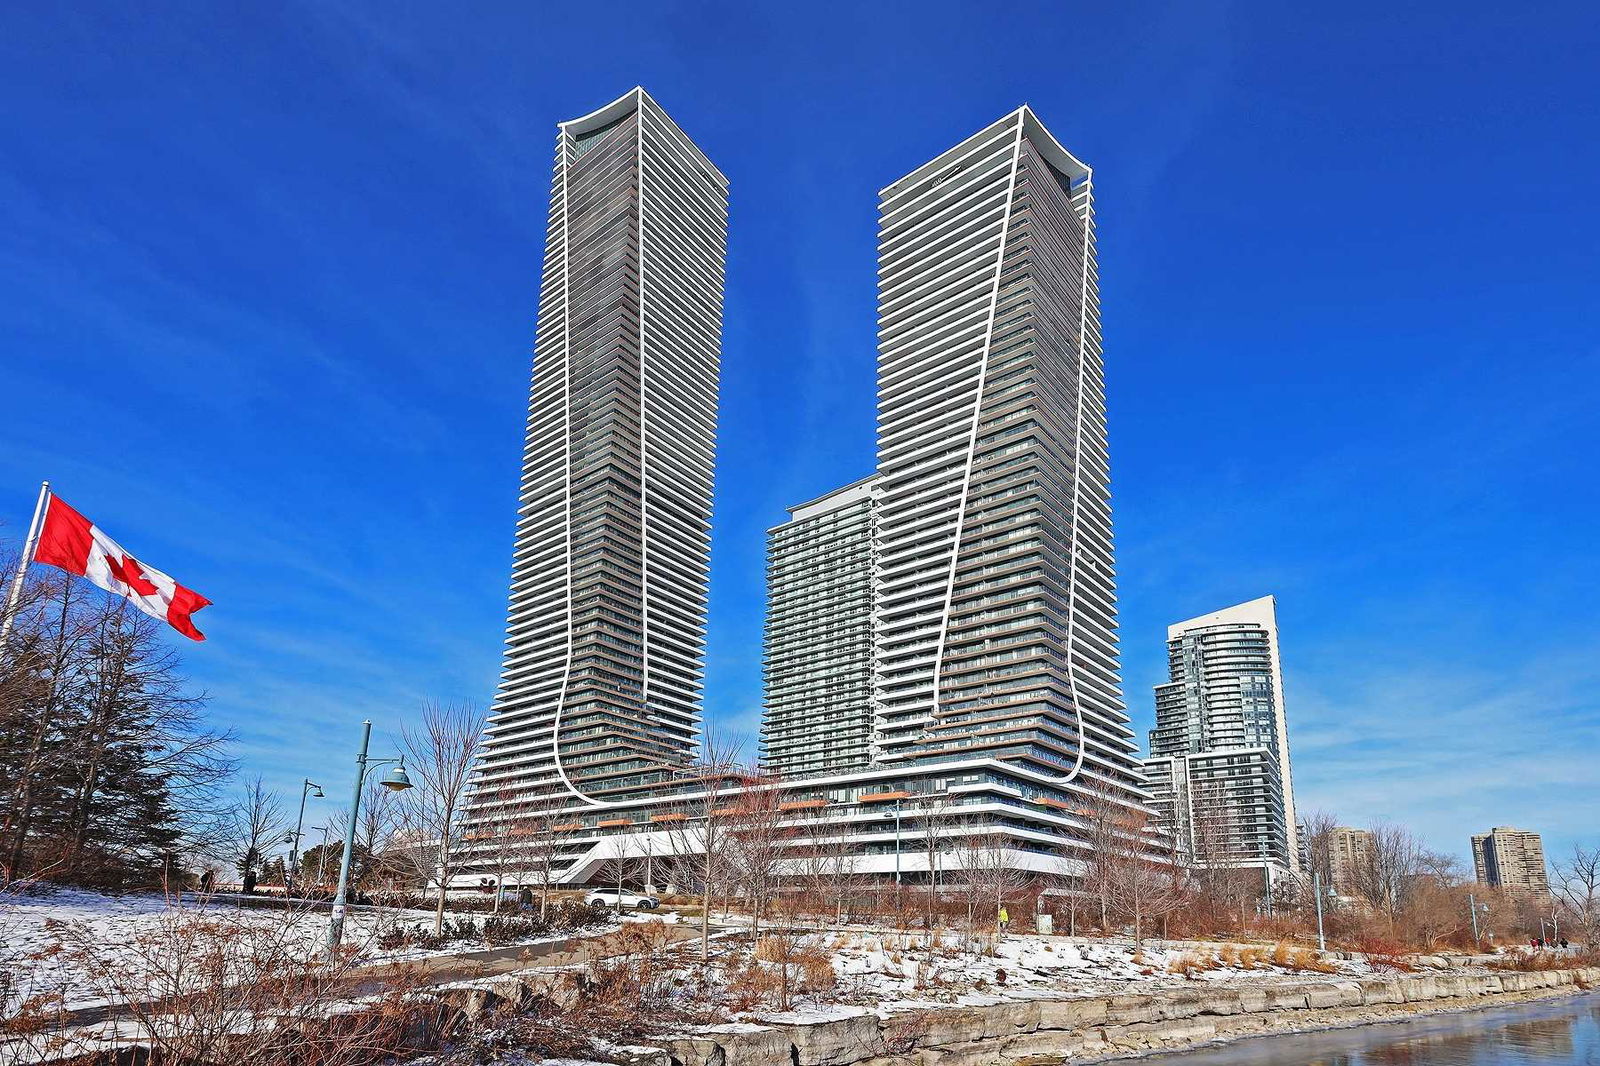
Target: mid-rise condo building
(818, 667)
(1349, 858)
(1218, 769)
(1511, 859)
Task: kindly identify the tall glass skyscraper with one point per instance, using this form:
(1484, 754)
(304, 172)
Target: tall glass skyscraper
(996, 594)
(600, 691)
(941, 644)
(995, 702)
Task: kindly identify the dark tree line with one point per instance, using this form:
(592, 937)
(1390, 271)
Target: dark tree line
(108, 773)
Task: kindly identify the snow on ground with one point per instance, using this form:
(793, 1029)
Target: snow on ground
(902, 969)
(51, 942)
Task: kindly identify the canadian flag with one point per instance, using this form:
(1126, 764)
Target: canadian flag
(78, 546)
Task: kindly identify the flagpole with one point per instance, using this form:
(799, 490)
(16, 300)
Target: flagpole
(14, 598)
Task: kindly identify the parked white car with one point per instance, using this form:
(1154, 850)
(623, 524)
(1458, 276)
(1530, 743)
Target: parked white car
(611, 898)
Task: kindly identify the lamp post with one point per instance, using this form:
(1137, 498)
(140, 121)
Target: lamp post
(309, 787)
(896, 817)
(396, 780)
(1266, 874)
(1473, 907)
(1316, 890)
(322, 856)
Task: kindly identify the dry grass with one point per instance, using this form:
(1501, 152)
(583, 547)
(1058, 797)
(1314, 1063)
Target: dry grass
(1300, 959)
(1538, 961)
(1192, 963)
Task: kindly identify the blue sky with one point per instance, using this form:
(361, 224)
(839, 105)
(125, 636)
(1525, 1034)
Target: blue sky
(271, 274)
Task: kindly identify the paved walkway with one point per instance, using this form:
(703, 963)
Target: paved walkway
(489, 962)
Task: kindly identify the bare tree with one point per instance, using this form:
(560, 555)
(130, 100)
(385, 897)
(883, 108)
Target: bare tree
(1577, 886)
(988, 878)
(626, 865)
(1395, 858)
(372, 862)
(1143, 886)
(1103, 830)
(935, 816)
(1435, 901)
(812, 860)
(440, 753)
(1219, 876)
(506, 834)
(758, 835)
(375, 829)
(46, 656)
(1316, 834)
(701, 838)
(549, 829)
(259, 823)
(1064, 880)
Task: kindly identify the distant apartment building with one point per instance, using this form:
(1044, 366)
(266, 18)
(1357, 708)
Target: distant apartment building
(818, 638)
(1218, 770)
(1349, 855)
(1511, 859)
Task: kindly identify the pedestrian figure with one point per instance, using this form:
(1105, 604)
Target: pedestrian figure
(525, 898)
(1005, 918)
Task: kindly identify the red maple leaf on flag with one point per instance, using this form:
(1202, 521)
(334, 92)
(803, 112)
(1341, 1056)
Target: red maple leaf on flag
(130, 574)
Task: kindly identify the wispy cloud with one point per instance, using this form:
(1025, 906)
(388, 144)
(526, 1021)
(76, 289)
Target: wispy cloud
(1453, 748)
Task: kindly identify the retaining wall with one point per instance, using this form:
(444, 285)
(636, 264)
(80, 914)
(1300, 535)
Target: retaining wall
(1050, 1032)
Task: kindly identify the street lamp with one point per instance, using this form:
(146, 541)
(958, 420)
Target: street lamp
(1473, 907)
(322, 856)
(1316, 890)
(310, 788)
(896, 817)
(396, 780)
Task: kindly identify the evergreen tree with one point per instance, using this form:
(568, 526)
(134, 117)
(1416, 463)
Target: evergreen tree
(107, 769)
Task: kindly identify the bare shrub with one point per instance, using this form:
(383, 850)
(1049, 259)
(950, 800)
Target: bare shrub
(1383, 953)
(797, 965)
(197, 986)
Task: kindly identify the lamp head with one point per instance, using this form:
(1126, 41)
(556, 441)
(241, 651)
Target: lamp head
(396, 780)
(316, 789)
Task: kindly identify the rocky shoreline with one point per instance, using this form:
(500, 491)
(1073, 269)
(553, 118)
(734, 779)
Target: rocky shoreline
(1049, 1032)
